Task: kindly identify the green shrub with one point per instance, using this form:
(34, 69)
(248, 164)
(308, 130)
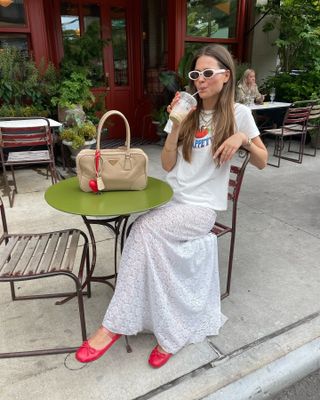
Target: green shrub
(291, 87)
(22, 111)
(22, 82)
(73, 91)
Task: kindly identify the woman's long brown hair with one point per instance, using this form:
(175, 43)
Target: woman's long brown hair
(224, 120)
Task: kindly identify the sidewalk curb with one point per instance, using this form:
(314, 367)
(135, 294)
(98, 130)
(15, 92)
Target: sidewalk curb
(273, 378)
(257, 371)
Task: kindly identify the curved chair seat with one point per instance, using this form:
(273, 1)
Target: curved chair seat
(43, 255)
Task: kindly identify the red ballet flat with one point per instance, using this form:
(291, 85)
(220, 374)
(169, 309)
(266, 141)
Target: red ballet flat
(86, 353)
(158, 359)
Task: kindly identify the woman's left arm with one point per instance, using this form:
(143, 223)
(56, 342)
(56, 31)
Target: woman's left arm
(258, 151)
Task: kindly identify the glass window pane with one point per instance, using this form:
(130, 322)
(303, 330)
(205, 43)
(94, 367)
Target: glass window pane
(13, 14)
(155, 46)
(92, 28)
(70, 22)
(91, 14)
(20, 41)
(212, 18)
(74, 28)
(119, 45)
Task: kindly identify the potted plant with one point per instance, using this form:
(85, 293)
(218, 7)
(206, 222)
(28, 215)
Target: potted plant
(73, 94)
(78, 136)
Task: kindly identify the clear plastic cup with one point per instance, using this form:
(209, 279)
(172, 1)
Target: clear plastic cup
(182, 107)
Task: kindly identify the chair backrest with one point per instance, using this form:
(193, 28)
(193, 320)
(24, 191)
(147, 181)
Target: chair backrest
(297, 115)
(315, 111)
(296, 119)
(27, 136)
(236, 175)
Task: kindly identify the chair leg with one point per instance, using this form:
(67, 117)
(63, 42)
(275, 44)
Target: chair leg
(13, 292)
(300, 151)
(54, 175)
(302, 144)
(128, 347)
(81, 310)
(7, 189)
(316, 143)
(88, 267)
(278, 146)
(230, 260)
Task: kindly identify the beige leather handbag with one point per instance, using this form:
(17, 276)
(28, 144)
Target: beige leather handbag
(124, 168)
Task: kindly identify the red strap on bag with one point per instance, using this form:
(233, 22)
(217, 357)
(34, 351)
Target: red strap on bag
(93, 182)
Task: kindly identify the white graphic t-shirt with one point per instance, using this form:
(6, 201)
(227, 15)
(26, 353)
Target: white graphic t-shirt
(201, 182)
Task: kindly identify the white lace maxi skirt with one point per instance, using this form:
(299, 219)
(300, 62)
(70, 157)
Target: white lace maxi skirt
(168, 280)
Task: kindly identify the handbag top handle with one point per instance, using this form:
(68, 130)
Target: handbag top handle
(103, 120)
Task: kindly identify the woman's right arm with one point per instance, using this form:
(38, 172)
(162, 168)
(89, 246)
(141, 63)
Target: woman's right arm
(170, 149)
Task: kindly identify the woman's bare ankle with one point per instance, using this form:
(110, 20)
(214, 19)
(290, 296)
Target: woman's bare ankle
(107, 332)
(100, 338)
(161, 350)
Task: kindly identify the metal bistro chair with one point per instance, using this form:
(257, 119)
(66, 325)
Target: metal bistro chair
(29, 140)
(313, 123)
(219, 229)
(33, 256)
(294, 124)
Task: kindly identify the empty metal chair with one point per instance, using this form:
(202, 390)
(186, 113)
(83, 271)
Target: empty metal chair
(313, 125)
(25, 145)
(33, 256)
(219, 229)
(294, 125)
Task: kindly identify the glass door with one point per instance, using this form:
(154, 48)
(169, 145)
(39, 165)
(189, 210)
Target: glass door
(111, 71)
(118, 59)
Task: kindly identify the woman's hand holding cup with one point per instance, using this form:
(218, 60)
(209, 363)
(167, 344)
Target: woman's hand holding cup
(182, 104)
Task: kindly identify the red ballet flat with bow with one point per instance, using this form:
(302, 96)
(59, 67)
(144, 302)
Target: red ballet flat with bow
(86, 353)
(157, 359)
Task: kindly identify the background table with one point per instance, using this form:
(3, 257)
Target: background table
(26, 123)
(268, 105)
(269, 115)
(112, 208)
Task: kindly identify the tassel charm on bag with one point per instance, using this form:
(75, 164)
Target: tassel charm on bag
(124, 168)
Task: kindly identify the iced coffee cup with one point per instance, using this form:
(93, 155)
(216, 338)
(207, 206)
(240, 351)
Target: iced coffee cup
(182, 107)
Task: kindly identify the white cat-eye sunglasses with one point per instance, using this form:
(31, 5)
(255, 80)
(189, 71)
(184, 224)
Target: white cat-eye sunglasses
(206, 73)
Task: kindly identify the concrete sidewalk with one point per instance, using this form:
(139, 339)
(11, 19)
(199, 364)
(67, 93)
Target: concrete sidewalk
(270, 341)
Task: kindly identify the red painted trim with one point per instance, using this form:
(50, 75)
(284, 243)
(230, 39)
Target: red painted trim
(14, 30)
(241, 22)
(38, 30)
(176, 31)
(212, 40)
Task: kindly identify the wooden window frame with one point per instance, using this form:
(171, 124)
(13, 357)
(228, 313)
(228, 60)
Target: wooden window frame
(177, 23)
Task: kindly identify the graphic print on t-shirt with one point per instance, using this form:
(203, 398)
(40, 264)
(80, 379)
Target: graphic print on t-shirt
(201, 133)
(203, 138)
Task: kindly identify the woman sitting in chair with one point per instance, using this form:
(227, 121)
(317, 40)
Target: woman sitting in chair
(168, 280)
(247, 89)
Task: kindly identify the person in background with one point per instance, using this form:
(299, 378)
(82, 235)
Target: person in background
(168, 281)
(247, 89)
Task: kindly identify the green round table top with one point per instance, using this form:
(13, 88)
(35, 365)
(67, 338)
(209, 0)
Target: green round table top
(67, 196)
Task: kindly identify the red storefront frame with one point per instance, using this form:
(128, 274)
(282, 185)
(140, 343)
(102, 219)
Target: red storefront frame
(43, 19)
